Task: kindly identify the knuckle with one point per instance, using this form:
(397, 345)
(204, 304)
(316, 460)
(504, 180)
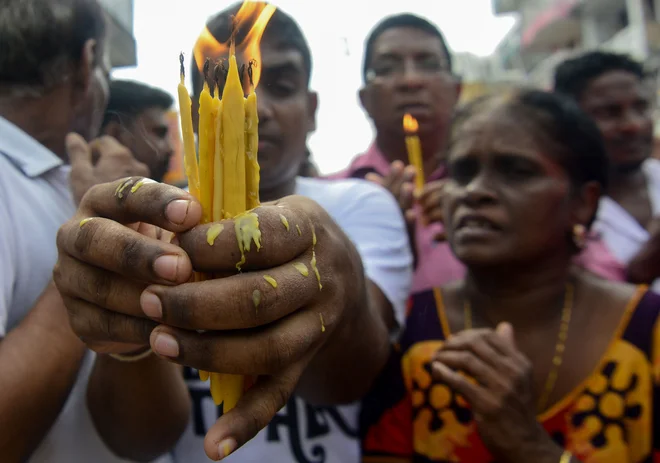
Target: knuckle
(181, 307)
(85, 237)
(99, 285)
(77, 320)
(277, 353)
(494, 407)
(91, 195)
(130, 254)
(58, 275)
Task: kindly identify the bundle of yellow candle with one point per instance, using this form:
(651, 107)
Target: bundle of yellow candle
(224, 175)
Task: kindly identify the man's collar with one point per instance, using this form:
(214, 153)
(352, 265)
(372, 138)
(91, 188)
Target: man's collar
(26, 153)
(375, 159)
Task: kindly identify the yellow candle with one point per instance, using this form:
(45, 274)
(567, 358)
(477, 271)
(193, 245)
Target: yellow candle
(206, 152)
(218, 200)
(233, 142)
(414, 147)
(251, 150)
(189, 156)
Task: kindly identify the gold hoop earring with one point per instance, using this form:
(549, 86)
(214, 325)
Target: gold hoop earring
(579, 236)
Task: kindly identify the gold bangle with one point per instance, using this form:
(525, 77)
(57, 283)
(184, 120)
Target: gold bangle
(566, 457)
(132, 357)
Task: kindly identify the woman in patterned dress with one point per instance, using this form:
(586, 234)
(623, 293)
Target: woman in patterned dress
(528, 359)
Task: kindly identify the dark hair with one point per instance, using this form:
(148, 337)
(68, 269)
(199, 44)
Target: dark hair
(573, 75)
(282, 32)
(42, 38)
(128, 99)
(399, 21)
(575, 141)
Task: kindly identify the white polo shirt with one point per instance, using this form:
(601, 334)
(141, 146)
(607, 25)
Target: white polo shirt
(300, 432)
(622, 234)
(35, 201)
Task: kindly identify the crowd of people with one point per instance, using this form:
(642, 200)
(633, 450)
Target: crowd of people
(505, 312)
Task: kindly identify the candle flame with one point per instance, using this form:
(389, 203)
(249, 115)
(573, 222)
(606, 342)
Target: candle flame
(253, 14)
(410, 125)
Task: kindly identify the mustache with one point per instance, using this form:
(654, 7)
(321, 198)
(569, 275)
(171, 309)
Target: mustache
(627, 140)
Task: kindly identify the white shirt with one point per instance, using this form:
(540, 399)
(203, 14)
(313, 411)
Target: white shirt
(35, 201)
(623, 235)
(302, 433)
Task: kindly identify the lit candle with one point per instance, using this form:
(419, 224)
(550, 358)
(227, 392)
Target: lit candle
(206, 148)
(218, 200)
(189, 154)
(233, 141)
(251, 146)
(414, 147)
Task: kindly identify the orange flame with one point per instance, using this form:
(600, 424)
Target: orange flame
(255, 13)
(410, 125)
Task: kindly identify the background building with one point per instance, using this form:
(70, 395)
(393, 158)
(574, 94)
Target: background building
(122, 42)
(550, 31)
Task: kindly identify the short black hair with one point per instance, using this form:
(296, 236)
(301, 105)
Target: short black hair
(576, 143)
(282, 31)
(398, 21)
(128, 99)
(42, 38)
(574, 75)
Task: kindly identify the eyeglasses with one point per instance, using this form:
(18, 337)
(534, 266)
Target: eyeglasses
(394, 68)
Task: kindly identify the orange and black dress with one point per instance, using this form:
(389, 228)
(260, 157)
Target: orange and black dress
(610, 418)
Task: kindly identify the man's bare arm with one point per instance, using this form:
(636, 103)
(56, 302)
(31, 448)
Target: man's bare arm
(140, 409)
(39, 360)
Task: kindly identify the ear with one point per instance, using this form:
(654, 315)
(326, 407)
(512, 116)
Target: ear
(458, 89)
(118, 132)
(586, 203)
(312, 107)
(85, 70)
(363, 93)
(113, 129)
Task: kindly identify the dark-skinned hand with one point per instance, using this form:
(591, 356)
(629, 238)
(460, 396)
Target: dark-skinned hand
(102, 160)
(400, 183)
(430, 203)
(501, 399)
(125, 290)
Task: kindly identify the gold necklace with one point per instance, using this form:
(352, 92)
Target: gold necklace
(560, 347)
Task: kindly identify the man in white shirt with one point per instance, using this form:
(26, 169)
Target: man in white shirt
(613, 90)
(367, 215)
(53, 80)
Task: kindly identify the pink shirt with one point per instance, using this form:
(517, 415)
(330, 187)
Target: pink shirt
(436, 264)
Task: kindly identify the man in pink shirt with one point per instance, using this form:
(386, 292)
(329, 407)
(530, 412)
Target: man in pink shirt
(408, 69)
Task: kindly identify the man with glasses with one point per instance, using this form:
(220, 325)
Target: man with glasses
(407, 69)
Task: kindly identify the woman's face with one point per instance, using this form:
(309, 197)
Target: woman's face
(506, 202)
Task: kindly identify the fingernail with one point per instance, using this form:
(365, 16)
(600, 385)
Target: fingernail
(177, 211)
(166, 345)
(226, 447)
(167, 267)
(151, 305)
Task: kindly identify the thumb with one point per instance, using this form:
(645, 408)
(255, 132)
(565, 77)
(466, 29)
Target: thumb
(252, 413)
(77, 149)
(80, 158)
(505, 330)
(373, 177)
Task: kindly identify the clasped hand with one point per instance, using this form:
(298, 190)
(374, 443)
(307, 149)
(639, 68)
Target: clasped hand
(127, 287)
(400, 183)
(501, 396)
